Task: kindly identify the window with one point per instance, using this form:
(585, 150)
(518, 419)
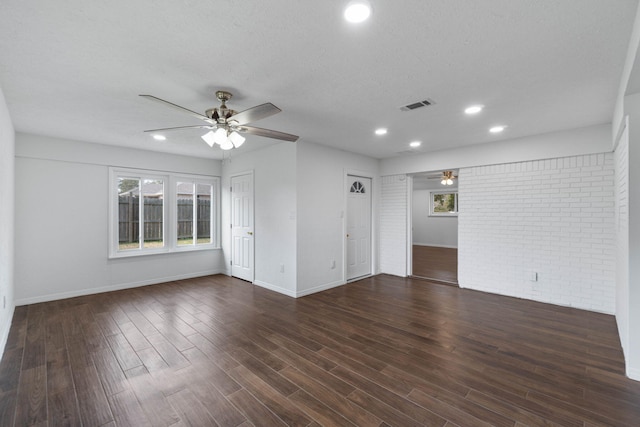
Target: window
(194, 214)
(443, 203)
(357, 187)
(158, 212)
(140, 212)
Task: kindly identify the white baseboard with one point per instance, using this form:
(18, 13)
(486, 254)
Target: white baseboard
(278, 289)
(463, 285)
(435, 245)
(118, 287)
(633, 373)
(5, 330)
(395, 273)
(294, 294)
(319, 288)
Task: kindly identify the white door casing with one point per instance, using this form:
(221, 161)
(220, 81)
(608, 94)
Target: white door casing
(358, 227)
(242, 247)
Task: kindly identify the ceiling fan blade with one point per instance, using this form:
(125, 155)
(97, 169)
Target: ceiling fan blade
(269, 133)
(254, 114)
(177, 107)
(181, 127)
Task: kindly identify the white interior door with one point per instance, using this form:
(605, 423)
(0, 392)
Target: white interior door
(242, 227)
(358, 227)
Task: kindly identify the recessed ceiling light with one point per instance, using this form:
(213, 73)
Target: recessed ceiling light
(415, 144)
(474, 109)
(357, 11)
(159, 137)
(381, 131)
(497, 129)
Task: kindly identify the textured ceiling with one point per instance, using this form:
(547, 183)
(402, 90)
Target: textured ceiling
(73, 69)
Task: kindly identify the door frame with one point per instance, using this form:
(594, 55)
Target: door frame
(253, 203)
(374, 224)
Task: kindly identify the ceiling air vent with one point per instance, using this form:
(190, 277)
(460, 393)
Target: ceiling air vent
(418, 104)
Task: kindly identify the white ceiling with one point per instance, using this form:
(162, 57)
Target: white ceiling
(73, 69)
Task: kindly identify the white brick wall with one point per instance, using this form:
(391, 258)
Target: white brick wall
(393, 225)
(554, 217)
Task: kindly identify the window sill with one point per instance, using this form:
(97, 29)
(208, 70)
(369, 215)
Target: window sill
(168, 251)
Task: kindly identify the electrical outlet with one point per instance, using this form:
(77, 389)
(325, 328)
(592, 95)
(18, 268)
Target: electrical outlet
(533, 276)
(333, 264)
(281, 268)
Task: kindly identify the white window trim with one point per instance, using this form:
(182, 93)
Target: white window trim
(431, 204)
(169, 212)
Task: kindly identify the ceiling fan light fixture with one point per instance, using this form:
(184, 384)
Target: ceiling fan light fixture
(236, 139)
(447, 178)
(209, 138)
(220, 136)
(357, 11)
(226, 145)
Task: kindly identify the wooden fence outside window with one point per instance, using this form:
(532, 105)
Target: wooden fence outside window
(129, 223)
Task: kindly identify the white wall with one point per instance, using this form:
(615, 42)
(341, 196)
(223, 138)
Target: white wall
(554, 217)
(588, 140)
(629, 81)
(274, 170)
(321, 213)
(621, 158)
(598, 260)
(626, 115)
(7, 202)
(62, 252)
(299, 206)
(632, 109)
(393, 202)
(432, 230)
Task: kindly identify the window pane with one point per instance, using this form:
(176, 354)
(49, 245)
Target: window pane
(185, 213)
(153, 195)
(444, 203)
(128, 209)
(204, 213)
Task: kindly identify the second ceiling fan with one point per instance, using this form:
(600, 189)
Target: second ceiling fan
(225, 124)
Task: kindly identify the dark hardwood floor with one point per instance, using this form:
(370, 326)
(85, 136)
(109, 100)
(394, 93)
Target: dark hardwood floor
(432, 262)
(383, 351)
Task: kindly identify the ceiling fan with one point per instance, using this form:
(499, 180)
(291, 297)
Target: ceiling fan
(445, 177)
(225, 124)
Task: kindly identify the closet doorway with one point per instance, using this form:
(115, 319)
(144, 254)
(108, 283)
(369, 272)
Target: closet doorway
(434, 226)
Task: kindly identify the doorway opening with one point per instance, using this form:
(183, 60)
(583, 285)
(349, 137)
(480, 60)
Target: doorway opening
(434, 226)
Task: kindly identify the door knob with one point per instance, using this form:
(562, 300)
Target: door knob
(347, 236)
(250, 233)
